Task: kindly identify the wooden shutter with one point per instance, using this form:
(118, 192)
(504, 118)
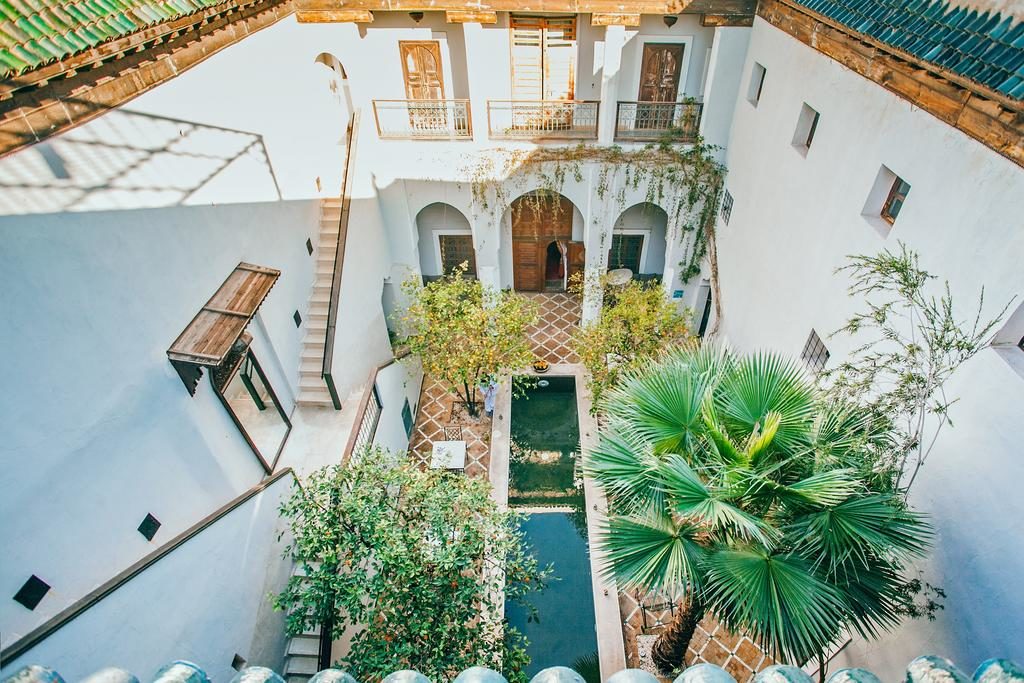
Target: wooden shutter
(543, 58)
(456, 250)
(421, 66)
(577, 259)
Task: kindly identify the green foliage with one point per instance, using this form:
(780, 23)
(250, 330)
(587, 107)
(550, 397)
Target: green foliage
(415, 565)
(464, 332)
(733, 485)
(637, 323)
(917, 341)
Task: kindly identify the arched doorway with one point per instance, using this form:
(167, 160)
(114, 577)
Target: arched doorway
(445, 241)
(639, 242)
(544, 255)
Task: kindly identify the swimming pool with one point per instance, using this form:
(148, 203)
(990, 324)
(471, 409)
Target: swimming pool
(545, 434)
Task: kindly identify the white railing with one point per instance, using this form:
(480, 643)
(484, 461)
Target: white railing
(542, 119)
(423, 119)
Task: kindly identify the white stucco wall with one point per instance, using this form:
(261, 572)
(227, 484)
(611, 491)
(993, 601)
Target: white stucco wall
(795, 220)
(204, 603)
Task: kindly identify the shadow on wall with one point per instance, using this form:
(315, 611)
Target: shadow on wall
(130, 160)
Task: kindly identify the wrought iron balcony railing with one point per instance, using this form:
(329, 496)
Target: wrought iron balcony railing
(423, 119)
(643, 121)
(542, 119)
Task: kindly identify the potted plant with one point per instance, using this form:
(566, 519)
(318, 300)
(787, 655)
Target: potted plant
(540, 366)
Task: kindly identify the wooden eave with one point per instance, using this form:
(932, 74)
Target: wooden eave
(209, 338)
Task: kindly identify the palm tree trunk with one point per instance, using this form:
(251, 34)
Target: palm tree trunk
(670, 649)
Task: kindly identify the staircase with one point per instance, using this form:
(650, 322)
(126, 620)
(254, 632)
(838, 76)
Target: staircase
(312, 388)
(302, 655)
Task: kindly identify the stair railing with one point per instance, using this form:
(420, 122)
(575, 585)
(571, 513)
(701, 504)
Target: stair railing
(339, 258)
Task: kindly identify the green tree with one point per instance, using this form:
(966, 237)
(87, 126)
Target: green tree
(637, 323)
(916, 342)
(734, 486)
(415, 565)
(464, 332)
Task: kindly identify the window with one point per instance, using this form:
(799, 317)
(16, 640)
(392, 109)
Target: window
(456, 250)
(421, 67)
(407, 419)
(894, 202)
(815, 355)
(543, 58)
(805, 127)
(625, 252)
(756, 84)
(368, 425)
(32, 592)
(727, 207)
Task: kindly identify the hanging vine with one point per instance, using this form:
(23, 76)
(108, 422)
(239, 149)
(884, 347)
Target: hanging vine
(686, 181)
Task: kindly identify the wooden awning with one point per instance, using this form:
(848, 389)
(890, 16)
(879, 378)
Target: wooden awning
(217, 327)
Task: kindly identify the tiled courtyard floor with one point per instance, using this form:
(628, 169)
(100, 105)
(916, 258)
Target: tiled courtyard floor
(439, 409)
(711, 643)
(559, 315)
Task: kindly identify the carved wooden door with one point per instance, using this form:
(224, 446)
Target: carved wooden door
(576, 260)
(424, 82)
(659, 82)
(528, 265)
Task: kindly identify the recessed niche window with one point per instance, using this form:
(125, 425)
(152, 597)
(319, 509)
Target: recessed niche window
(894, 202)
(297, 318)
(407, 420)
(756, 84)
(1009, 340)
(814, 355)
(149, 527)
(806, 126)
(309, 246)
(726, 207)
(886, 199)
(238, 662)
(31, 592)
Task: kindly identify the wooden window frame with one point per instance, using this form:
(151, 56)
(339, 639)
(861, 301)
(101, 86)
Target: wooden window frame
(893, 196)
(402, 45)
(219, 390)
(543, 23)
(642, 234)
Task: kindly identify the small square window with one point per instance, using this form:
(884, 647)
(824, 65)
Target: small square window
(309, 246)
(297, 318)
(806, 126)
(894, 202)
(756, 84)
(815, 355)
(149, 527)
(31, 592)
(238, 662)
(726, 207)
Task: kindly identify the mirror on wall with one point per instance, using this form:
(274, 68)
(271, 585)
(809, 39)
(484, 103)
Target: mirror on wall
(254, 407)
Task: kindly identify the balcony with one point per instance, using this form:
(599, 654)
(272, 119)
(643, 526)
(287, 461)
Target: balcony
(542, 119)
(423, 119)
(646, 121)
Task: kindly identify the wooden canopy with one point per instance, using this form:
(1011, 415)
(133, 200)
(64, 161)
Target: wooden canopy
(217, 327)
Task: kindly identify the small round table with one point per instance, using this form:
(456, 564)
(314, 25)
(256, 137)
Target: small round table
(620, 276)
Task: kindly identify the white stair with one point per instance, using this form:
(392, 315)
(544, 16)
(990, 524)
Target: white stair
(312, 388)
(302, 655)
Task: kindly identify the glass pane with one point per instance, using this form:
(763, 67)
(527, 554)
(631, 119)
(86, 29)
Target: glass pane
(253, 405)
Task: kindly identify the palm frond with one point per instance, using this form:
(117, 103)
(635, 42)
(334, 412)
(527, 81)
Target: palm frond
(651, 551)
(862, 527)
(623, 465)
(691, 498)
(765, 383)
(827, 488)
(777, 596)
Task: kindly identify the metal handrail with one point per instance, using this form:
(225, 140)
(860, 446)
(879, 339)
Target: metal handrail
(639, 120)
(423, 119)
(364, 402)
(542, 119)
(352, 135)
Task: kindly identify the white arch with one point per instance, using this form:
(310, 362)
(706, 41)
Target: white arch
(649, 221)
(432, 222)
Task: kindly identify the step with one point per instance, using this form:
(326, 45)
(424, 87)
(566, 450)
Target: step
(303, 645)
(312, 384)
(297, 678)
(302, 664)
(316, 338)
(311, 367)
(317, 323)
(317, 400)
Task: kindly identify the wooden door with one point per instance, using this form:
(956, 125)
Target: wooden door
(456, 250)
(543, 58)
(659, 72)
(576, 260)
(421, 66)
(528, 265)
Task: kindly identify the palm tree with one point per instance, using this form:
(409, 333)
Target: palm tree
(733, 486)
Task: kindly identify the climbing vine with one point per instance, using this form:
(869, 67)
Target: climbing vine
(685, 180)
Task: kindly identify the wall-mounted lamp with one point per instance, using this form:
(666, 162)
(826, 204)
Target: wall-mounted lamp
(416, 16)
(670, 20)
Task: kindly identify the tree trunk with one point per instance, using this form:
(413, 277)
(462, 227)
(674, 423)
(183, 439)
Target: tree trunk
(470, 403)
(670, 649)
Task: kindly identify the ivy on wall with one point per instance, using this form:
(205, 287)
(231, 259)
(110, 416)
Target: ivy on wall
(684, 180)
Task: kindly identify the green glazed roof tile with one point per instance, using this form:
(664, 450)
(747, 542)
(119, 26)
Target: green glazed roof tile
(986, 47)
(34, 33)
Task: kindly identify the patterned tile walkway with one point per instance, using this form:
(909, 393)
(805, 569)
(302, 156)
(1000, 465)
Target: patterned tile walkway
(711, 643)
(439, 409)
(559, 315)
